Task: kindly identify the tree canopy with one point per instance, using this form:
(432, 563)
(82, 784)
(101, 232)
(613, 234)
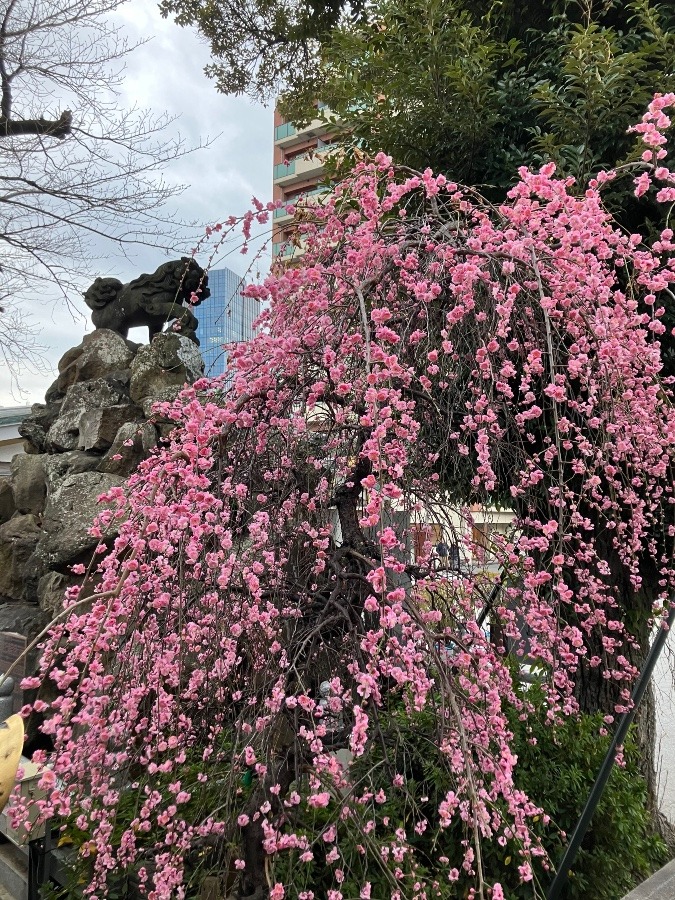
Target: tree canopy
(246, 692)
(257, 45)
(476, 90)
(471, 89)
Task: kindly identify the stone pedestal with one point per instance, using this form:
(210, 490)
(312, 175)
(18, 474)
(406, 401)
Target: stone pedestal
(93, 430)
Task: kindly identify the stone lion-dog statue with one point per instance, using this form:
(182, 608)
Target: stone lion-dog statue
(166, 296)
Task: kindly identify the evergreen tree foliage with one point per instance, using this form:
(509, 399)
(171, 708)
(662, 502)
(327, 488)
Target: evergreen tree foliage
(258, 46)
(477, 90)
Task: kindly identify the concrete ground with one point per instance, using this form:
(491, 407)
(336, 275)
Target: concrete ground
(13, 873)
(659, 887)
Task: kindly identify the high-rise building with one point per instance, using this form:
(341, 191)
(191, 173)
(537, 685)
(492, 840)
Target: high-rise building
(224, 317)
(299, 155)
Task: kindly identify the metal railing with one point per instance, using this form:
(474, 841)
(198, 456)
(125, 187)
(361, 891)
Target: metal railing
(284, 131)
(283, 169)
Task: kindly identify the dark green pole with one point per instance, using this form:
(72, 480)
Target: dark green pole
(560, 880)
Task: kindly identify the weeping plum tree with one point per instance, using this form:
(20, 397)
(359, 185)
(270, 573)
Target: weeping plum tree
(240, 698)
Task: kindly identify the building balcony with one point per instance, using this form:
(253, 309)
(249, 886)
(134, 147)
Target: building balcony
(287, 251)
(282, 216)
(302, 168)
(306, 200)
(286, 135)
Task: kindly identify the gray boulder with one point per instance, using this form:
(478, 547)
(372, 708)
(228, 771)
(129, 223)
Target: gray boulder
(120, 380)
(50, 592)
(64, 434)
(7, 505)
(162, 368)
(35, 427)
(54, 394)
(98, 427)
(101, 353)
(23, 618)
(52, 587)
(18, 539)
(73, 462)
(68, 359)
(143, 438)
(29, 482)
(70, 512)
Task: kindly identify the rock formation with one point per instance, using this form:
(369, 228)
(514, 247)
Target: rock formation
(92, 431)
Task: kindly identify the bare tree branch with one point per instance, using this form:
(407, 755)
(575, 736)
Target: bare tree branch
(58, 128)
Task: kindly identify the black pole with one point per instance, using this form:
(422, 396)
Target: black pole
(625, 721)
(489, 603)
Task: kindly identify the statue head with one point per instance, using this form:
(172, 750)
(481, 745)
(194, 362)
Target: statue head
(180, 277)
(102, 292)
(195, 280)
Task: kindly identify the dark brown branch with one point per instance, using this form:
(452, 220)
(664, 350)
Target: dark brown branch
(346, 500)
(58, 128)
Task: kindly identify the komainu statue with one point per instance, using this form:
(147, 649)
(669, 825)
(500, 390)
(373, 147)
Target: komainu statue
(153, 300)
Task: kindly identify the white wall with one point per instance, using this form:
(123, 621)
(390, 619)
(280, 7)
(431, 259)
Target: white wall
(11, 441)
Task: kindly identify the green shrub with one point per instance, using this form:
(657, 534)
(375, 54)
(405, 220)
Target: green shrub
(556, 768)
(620, 848)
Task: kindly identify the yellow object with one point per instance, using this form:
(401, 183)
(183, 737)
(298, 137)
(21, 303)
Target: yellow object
(11, 745)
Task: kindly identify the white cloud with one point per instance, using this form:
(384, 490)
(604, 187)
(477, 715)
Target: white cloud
(166, 74)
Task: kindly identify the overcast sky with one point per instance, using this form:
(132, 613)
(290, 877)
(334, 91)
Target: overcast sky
(167, 74)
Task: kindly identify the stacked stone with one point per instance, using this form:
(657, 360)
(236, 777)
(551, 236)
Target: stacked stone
(92, 431)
